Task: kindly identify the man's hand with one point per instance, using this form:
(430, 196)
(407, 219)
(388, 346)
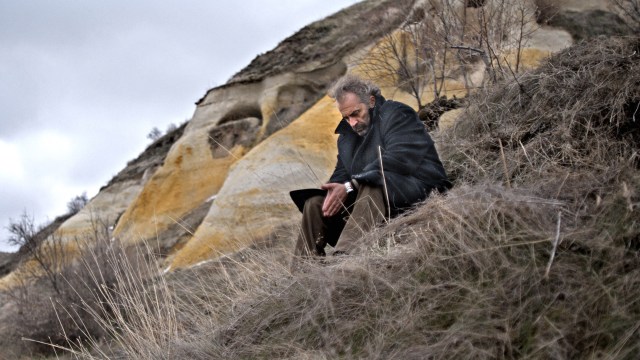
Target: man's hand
(336, 196)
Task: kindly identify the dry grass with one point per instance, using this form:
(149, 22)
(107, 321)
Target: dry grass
(465, 279)
(534, 254)
(40, 314)
(567, 129)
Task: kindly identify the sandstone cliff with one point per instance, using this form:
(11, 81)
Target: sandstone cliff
(213, 157)
(220, 181)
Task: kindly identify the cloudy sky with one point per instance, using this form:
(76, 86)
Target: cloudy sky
(83, 82)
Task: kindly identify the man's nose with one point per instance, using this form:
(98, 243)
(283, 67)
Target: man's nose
(352, 121)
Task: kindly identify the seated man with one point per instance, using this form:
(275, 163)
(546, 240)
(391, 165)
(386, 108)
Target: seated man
(377, 137)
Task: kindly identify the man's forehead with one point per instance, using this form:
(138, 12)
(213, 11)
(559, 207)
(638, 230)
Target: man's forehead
(348, 103)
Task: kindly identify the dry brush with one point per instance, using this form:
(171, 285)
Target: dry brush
(534, 254)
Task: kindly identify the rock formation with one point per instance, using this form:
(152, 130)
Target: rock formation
(247, 112)
(221, 181)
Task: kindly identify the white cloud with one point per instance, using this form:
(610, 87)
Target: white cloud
(11, 169)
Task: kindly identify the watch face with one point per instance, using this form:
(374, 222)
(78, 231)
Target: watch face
(347, 185)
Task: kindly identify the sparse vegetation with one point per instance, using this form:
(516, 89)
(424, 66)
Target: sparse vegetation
(154, 134)
(534, 254)
(77, 203)
(48, 256)
(630, 9)
(60, 287)
(442, 40)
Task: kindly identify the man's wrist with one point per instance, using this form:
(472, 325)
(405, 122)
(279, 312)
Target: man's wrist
(348, 186)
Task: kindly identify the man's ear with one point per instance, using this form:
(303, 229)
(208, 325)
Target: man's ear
(372, 101)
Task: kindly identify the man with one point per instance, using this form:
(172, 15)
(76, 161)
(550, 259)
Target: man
(377, 137)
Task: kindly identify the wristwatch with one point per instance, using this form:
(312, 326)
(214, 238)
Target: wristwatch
(348, 186)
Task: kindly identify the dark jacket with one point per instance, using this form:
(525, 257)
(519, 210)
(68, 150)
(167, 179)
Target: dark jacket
(410, 162)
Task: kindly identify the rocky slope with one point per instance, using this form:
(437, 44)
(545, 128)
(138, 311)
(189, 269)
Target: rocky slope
(533, 254)
(220, 182)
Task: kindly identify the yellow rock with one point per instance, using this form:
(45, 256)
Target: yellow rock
(530, 58)
(254, 199)
(193, 170)
(188, 177)
(449, 118)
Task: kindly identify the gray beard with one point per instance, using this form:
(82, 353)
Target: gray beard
(361, 130)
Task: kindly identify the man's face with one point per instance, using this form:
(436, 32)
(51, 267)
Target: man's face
(355, 112)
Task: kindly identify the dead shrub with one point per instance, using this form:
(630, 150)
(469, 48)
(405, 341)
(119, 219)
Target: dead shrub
(630, 11)
(585, 25)
(60, 298)
(568, 129)
(471, 276)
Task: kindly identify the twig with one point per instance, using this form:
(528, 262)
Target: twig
(224, 148)
(515, 77)
(483, 54)
(555, 247)
(180, 224)
(525, 153)
(562, 185)
(384, 182)
(51, 345)
(627, 336)
(504, 165)
(460, 47)
(493, 248)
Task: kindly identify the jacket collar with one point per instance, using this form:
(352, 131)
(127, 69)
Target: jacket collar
(344, 127)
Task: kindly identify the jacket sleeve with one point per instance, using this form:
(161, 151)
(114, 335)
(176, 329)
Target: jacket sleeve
(404, 144)
(340, 174)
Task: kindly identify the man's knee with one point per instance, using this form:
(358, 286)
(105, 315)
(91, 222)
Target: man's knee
(314, 201)
(371, 197)
(313, 204)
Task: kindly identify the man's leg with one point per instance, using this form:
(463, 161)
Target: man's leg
(368, 211)
(316, 230)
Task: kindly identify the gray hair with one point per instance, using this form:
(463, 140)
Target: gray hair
(356, 85)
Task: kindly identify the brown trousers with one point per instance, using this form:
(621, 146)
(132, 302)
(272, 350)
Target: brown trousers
(344, 231)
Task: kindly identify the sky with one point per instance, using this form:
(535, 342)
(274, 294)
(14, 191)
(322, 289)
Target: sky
(82, 83)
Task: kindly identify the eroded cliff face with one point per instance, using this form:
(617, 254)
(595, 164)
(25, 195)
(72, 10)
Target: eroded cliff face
(247, 113)
(221, 182)
(254, 199)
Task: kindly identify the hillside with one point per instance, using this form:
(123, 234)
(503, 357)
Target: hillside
(5, 259)
(542, 265)
(227, 151)
(533, 254)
